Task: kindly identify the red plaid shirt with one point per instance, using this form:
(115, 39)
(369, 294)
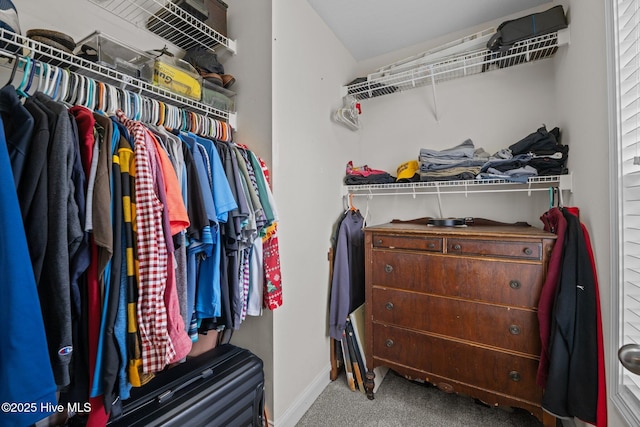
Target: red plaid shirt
(157, 348)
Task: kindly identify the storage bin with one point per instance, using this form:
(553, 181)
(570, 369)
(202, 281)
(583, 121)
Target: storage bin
(217, 15)
(177, 76)
(109, 52)
(217, 96)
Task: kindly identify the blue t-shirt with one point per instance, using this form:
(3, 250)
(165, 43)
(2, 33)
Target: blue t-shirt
(208, 299)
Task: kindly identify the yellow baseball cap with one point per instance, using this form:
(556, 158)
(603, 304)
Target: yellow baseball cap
(407, 171)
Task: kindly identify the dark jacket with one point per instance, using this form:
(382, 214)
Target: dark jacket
(32, 191)
(18, 128)
(64, 236)
(572, 384)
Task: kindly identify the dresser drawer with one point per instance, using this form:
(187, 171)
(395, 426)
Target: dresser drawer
(495, 281)
(506, 249)
(403, 242)
(478, 366)
(498, 326)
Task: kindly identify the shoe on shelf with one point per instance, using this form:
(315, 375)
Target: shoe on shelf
(228, 80)
(213, 78)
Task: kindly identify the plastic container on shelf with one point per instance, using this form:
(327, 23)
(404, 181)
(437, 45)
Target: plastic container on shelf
(217, 96)
(178, 76)
(109, 52)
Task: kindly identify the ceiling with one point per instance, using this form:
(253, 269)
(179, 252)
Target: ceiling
(369, 28)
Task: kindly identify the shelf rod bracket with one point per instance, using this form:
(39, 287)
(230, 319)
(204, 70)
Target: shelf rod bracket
(433, 88)
(439, 200)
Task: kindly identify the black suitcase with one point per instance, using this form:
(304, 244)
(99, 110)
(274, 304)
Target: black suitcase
(222, 387)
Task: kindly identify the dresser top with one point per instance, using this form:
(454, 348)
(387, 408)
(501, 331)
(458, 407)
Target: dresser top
(505, 231)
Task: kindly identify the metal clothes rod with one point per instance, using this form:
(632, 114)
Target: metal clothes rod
(435, 192)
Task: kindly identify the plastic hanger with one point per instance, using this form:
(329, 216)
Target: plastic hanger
(27, 68)
(32, 73)
(560, 201)
(80, 94)
(56, 87)
(16, 61)
(348, 114)
(46, 79)
(351, 207)
(53, 80)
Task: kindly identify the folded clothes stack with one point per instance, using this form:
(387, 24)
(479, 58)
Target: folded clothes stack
(360, 175)
(461, 162)
(538, 154)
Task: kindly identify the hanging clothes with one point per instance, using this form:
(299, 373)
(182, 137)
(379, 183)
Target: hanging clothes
(575, 354)
(347, 283)
(25, 370)
(136, 237)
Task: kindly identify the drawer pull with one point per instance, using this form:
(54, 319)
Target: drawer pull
(388, 268)
(389, 305)
(514, 284)
(379, 241)
(514, 330)
(432, 245)
(527, 251)
(389, 343)
(457, 247)
(515, 376)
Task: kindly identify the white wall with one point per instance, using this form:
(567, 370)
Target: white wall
(310, 153)
(251, 66)
(581, 88)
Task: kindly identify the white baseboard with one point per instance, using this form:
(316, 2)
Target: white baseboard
(295, 412)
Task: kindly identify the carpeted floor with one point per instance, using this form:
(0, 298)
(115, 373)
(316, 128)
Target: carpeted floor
(403, 403)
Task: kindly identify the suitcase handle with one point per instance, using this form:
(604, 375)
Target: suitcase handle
(167, 395)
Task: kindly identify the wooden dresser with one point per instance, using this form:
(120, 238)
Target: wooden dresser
(456, 306)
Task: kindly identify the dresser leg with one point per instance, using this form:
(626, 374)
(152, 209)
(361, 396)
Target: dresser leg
(369, 383)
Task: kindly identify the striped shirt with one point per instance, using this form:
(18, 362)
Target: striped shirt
(157, 348)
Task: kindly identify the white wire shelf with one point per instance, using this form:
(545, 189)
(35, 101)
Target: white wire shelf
(57, 57)
(457, 66)
(172, 23)
(538, 183)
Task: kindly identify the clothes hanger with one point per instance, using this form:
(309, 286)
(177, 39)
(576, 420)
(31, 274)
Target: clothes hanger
(64, 85)
(32, 73)
(56, 88)
(46, 78)
(53, 80)
(82, 87)
(348, 114)
(155, 112)
(27, 69)
(91, 94)
(16, 61)
(352, 207)
(560, 201)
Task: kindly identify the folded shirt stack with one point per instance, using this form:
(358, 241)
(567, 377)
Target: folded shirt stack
(461, 162)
